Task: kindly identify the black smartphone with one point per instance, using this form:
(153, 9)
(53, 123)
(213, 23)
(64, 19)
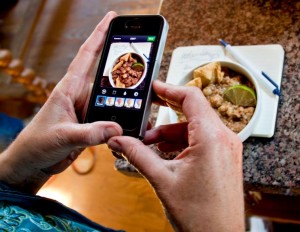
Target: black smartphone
(130, 61)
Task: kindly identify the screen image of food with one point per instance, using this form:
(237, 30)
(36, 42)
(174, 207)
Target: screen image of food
(127, 70)
(122, 83)
(127, 62)
(231, 94)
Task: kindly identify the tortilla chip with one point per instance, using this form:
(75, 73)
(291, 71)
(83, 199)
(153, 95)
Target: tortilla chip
(195, 82)
(209, 73)
(118, 65)
(126, 57)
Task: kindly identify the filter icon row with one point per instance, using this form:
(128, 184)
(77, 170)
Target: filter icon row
(102, 101)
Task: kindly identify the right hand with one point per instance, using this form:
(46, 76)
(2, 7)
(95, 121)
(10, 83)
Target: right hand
(202, 188)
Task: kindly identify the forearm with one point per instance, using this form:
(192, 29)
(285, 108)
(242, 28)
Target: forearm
(216, 213)
(19, 172)
(211, 215)
(215, 217)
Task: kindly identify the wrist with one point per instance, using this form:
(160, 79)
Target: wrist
(18, 173)
(208, 220)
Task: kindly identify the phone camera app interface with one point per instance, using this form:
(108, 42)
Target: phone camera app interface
(125, 72)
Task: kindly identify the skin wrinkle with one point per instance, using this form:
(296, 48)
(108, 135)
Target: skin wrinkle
(133, 150)
(81, 136)
(161, 180)
(184, 153)
(59, 140)
(60, 136)
(91, 52)
(79, 104)
(104, 133)
(64, 106)
(193, 129)
(194, 157)
(68, 102)
(170, 147)
(89, 138)
(77, 83)
(155, 179)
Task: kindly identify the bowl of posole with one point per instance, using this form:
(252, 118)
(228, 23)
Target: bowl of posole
(128, 71)
(232, 91)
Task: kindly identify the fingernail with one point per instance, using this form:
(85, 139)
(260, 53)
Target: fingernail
(110, 132)
(114, 145)
(118, 155)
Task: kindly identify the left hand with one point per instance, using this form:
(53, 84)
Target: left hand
(55, 137)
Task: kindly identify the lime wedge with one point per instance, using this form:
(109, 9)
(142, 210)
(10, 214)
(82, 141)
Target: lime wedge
(137, 66)
(240, 95)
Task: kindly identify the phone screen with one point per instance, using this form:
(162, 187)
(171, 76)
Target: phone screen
(122, 83)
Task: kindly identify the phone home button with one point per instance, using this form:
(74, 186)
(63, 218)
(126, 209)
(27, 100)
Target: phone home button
(113, 118)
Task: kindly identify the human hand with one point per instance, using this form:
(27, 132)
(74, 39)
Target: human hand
(202, 188)
(55, 137)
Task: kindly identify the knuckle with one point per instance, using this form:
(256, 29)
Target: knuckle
(85, 137)
(133, 153)
(60, 138)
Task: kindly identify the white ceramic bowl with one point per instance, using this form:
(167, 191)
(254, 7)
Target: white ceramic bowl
(247, 131)
(141, 59)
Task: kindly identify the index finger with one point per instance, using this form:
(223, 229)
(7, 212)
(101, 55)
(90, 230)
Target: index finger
(188, 99)
(85, 60)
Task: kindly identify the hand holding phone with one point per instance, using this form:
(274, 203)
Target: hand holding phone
(129, 63)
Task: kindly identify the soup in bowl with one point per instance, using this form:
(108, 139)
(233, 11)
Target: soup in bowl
(231, 90)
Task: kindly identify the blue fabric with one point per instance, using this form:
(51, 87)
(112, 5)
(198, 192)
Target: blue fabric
(10, 127)
(31, 213)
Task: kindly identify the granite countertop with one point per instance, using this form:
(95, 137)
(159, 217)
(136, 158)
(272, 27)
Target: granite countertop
(270, 165)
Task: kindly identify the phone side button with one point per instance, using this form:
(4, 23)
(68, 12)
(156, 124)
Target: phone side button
(113, 118)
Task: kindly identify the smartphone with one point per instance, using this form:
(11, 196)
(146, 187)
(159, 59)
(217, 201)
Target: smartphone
(130, 61)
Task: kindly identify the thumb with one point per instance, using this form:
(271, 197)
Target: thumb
(90, 134)
(148, 163)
